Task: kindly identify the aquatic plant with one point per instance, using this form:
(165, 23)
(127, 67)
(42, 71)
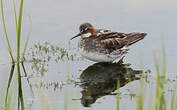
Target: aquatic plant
(44, 52)
(159, 101)
(19, 58)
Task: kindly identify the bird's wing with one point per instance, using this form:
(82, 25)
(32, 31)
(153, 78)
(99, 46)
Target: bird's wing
(115, 40)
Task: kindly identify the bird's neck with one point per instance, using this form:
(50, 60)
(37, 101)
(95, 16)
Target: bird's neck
(94, 31)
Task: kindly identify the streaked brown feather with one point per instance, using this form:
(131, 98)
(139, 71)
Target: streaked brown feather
(115, 40)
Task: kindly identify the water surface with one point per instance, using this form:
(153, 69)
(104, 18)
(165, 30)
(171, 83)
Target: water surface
(56, 21)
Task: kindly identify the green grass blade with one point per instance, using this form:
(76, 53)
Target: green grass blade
(15, 15)
(9, 103)
(19, 25)
(27, 40)
(25, 47)
(20, 91)
(140, 97)
(5, 32)
(164, 59)
(18, 106)
(9, 83)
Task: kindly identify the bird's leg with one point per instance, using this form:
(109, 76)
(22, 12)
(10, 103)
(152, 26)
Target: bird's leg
(119, 60)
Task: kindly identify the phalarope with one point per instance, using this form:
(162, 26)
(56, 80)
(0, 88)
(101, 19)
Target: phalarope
(104, 45)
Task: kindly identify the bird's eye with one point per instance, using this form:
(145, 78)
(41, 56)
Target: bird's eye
(82, 31)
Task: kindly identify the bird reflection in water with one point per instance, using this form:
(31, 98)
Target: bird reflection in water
(101, 79)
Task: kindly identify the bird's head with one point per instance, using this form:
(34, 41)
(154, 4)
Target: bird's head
(86, 30)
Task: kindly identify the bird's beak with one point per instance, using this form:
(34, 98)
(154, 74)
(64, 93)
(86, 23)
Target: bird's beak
(76, 36)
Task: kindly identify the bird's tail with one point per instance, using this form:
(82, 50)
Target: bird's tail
(134, 37)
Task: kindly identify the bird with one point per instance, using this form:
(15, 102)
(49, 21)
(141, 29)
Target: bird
(100, 45)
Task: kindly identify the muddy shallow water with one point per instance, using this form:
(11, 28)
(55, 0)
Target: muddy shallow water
(62, 82)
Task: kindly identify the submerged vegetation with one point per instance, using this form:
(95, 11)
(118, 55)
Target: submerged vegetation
(42, 53)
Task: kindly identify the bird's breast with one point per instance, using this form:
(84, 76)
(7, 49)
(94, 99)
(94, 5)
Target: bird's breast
(90, 45)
